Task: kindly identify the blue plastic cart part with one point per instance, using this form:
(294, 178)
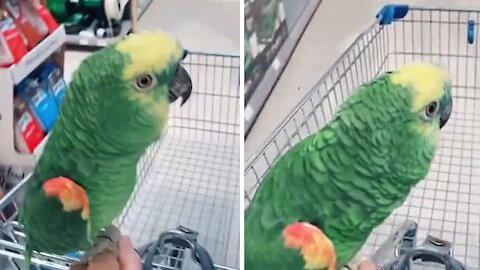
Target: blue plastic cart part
(391, 12)
(471, 31)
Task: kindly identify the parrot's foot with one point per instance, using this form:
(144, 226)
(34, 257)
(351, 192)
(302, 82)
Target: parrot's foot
(317, 250)
(72, 196)
(107, 241)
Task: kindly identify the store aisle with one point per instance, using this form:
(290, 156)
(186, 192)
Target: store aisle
(201, 25)
(333, 28)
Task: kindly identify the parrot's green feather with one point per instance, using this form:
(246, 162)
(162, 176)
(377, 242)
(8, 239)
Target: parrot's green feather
(28, 256)
(345, 179)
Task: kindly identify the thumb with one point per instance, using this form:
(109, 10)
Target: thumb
(127, 256)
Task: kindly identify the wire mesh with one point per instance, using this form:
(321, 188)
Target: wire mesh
(190, 177)
(446, 204)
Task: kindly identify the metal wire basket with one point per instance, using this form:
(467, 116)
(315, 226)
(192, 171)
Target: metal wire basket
(190, 177)
(446, 204)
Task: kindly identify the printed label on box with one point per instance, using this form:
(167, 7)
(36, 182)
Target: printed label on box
(24, 120)
(38, 98)
(59, 86)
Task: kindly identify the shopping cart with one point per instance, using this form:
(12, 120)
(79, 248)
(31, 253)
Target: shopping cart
(190, 178)
(446, 204)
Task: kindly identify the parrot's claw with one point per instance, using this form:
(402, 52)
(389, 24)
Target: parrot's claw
(107, 241)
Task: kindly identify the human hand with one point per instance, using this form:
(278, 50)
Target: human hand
(128, 259)
(367, 265)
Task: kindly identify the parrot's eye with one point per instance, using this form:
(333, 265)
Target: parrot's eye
(145, 82)
(431, 110)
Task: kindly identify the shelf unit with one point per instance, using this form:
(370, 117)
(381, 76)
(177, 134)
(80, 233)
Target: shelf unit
(260, 94)
(51, 46)
(95, 42)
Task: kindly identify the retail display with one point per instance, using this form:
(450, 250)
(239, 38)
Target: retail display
(23, 25)
(51, 78)
(13, 47)
(29, 113)
(37, 104)
(265, 31)
(272, 30)
(28, 132)
(95, 23)
(28, 20)
(40, 101)
(33, 75)
(47, 17)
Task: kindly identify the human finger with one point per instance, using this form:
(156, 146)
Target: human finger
(127, 256)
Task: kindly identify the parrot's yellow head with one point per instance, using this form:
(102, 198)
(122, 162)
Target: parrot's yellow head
(129, 87)
(153, 57)
(431, 95)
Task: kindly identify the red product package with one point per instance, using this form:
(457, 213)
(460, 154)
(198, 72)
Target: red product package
(13, 39)
(28, 133)
(27, 20)
(47, 18)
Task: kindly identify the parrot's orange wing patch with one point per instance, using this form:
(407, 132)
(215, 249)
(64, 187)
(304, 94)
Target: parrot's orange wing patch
(72, 196)
(317, 250)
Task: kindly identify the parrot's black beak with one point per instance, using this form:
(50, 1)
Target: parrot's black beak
(181, 86)
(445, 114)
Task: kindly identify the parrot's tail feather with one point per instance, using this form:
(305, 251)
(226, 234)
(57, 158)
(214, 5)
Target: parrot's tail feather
(317, 250)
(28, 256)
(89, 232)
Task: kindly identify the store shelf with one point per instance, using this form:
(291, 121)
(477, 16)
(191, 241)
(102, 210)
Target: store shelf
(256, 97)
(12, 76)
(77, 40)
(38, 55)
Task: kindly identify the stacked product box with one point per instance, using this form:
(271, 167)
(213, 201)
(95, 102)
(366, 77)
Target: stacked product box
(23, 25)
(36, 108)
(41, 95)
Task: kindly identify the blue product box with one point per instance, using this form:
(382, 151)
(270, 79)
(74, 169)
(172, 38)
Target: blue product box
(52, 77)
(40, 101)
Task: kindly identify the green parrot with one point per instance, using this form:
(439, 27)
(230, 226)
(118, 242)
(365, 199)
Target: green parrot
(321, 200)
(116, 106)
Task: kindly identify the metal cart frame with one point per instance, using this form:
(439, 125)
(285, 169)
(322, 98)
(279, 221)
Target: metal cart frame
(190, 177)
(446, 203)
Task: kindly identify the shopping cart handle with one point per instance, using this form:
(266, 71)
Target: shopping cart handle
(181, 237)
(406, 261)
(390, 13)
(471, 31)
(399, 251)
